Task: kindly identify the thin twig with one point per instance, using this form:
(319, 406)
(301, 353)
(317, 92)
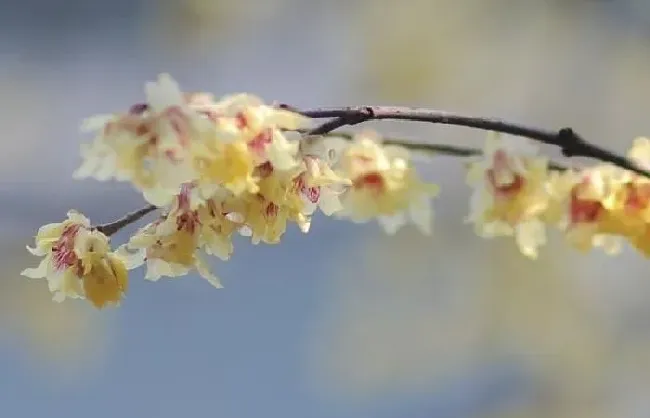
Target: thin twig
(427, 147)
(111, 228)
(570, 143)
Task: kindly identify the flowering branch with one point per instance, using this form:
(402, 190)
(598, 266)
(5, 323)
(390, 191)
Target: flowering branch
(218, 168)
(111, 228)
(570, 143)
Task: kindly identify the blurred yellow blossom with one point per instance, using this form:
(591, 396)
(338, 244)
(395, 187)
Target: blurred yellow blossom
(150, 145)
(177, 137)
(77, 262)
(580, 207)
(509, 193)
(632, 202)
(168, 246)
(384, 186)
(246, 135)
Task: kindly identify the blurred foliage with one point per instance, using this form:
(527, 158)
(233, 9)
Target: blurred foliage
(191, 24)
(411, 52)
(502, 56)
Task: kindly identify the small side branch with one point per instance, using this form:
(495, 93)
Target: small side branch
(111, 228)
(430, 148)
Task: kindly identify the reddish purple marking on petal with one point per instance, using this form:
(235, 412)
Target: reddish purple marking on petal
(271, 210)
(138, 108)
(188, 221)
(241, 121)
(264, 170)
(259, 143)
(63, 255)
(312, 193)
(184, 196)
(180, 124)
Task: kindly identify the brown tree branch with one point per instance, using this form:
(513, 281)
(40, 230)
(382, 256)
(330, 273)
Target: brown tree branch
(570, 143)
(111, 228)
(428, 147)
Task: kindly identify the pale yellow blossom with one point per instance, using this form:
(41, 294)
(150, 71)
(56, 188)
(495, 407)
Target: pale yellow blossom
(170, 246)
(320, 186)
(582, 204)
(246, 134)
(265, 215)
(509, 194)
(631, 203)
(151, 145)
(385, 186)
(77, 262)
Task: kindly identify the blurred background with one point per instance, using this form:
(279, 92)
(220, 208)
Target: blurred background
(346, 322)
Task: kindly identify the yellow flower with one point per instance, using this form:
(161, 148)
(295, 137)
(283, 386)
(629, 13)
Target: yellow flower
(217, 228)
(169, 246)
(320, 186)
(246, 135)
(509, 193)
(384, 186)
(264, 215)
(229, 164)
(632, 202)
(151, 145)
(77, 262)
(581, 206)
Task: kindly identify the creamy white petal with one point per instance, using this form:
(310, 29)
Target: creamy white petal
(40, 271)
(329, 202)
(205, 272)
(157, 268)
(530, 236)
(78, 218)
(95, 123)
(158, 196)
(163, 93)
(392, 224)
(422, 215)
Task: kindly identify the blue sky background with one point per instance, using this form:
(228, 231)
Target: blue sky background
(343, 322)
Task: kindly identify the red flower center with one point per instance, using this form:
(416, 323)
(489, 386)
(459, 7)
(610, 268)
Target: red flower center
(504, 190)
(372, 181)
(500, 164)
(584, 210)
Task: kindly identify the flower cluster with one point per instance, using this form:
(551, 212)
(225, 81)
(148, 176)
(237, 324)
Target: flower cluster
(517, 194)
(217, 169)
